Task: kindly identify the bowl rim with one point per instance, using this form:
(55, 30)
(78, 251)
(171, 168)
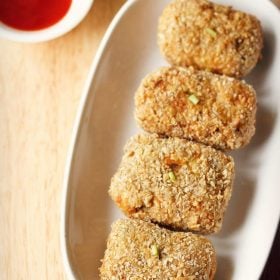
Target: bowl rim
(75, 14)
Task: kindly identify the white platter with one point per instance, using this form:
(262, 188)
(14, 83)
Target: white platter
(105, 121)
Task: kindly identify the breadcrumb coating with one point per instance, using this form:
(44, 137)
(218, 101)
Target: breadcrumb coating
(173, 182)
(141, 250)
(209, 36)
(197, 105)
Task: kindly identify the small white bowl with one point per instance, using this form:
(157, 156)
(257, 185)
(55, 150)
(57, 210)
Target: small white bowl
(76, 12)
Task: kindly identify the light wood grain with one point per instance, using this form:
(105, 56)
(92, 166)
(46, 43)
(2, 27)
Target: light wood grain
(40, 87)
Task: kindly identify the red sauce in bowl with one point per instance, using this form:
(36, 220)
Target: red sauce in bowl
(32, 15)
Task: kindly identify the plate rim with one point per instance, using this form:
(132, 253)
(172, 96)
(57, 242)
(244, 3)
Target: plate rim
(75, 131)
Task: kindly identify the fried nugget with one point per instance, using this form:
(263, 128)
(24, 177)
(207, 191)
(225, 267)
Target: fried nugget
(141, 250)
(201, 106)
(205, 35)
(173, 182)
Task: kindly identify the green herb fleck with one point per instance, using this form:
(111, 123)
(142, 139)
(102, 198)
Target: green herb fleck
(155, 250)
(194, 100)
(172, 176)
(211, 32)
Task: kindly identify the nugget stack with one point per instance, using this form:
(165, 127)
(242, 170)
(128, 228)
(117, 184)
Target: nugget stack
(177, 175)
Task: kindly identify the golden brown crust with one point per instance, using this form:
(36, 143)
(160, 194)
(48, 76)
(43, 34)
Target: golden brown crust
(173, 182)
(224, 116)
(209, 36)
(178, 255)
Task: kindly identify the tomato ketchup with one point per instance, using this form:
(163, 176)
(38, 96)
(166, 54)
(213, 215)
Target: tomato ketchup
(32, 15)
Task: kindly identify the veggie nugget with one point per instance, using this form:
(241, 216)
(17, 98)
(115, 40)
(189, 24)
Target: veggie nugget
(140, 250)
(210, 36)
(173, 182)
(215, 110)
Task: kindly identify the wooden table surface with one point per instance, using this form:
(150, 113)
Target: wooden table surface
(40, 87)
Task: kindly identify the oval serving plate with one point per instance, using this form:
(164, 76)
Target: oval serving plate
(105, 121)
